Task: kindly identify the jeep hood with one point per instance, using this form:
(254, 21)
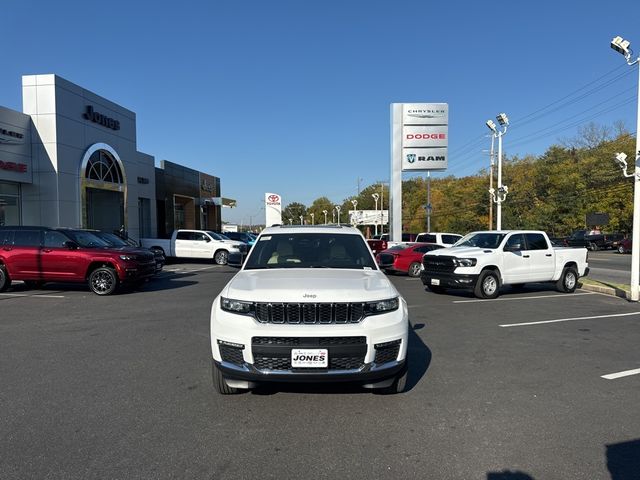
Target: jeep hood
(309, 285)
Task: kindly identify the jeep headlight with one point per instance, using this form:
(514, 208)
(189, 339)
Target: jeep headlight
(236, 306)
(381, 306)
(128, 257)
(465, 262)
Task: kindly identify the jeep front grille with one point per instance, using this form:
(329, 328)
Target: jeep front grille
(309, 313)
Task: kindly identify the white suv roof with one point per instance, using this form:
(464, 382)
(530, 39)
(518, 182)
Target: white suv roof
(311, 229)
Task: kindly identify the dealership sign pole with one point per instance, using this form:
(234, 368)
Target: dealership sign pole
(272, 209)
(419, 140)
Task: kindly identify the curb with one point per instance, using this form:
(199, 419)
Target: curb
(614, 292)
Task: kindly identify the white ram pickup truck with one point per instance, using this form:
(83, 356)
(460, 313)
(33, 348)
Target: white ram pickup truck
(484, 261)
(196, 244)
(309, 305)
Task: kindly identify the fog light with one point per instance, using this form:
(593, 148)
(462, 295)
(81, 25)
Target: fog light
(231, 344)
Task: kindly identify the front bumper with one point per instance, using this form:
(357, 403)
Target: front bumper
(131, 272)
(361, 361)
(367, 374)
(448, 280)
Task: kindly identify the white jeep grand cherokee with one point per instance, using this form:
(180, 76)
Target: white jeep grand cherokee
(309, 305)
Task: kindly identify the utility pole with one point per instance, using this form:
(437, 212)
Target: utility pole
(428, 202)
(359, 180)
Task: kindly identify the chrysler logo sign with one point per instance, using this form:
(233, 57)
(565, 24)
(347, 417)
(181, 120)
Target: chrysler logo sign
(426, 113)
(9, 136)
(95, 117)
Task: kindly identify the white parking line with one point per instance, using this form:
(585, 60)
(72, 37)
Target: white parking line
(557, 295)
(28, 295)
(626, 373)
(570, 319)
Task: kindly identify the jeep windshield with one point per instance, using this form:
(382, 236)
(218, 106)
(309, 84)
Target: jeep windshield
(86, 239)
(310, 250)
(481, 240)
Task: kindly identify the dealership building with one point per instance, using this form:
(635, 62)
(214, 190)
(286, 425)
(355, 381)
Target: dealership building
(70, 159)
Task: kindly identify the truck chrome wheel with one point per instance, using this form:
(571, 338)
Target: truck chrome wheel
(568, 281)
(489, 286)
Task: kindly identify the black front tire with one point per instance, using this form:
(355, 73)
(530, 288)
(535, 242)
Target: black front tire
(103, 281)
(568, 281)
(5, 281)
(488, 285)
(219, 383)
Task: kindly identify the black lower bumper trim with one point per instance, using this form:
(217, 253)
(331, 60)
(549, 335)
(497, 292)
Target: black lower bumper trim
(366, 375)
(448, 280)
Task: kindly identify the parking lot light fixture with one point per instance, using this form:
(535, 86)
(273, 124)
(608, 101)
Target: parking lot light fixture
(325, 216)
(338, 208)
(301, 220)
(376, 197)
(313, 215)
(500, 195)
(623, 46)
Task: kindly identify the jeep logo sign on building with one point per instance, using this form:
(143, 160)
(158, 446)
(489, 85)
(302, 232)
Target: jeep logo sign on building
(420, 135)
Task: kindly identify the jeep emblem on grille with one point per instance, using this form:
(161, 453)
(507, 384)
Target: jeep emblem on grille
(309, 295)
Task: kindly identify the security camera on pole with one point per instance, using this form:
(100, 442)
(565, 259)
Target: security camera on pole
(500, 195)
(622, 46)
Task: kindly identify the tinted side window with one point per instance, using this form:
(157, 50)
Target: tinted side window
(450, 238)
(54, 239)
(427, 238)
(6, 237)
(26, 238)
(516, 242)
(536, 241)
(422, 249)
(183, 236)
(200, 237)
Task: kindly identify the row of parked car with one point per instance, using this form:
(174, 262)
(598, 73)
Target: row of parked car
(102, 260)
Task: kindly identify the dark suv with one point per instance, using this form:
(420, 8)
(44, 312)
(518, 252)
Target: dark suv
(37, 255)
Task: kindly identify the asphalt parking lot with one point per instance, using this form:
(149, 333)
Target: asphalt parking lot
(119, 387)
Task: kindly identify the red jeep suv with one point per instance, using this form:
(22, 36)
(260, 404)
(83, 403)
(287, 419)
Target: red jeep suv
(38, 254)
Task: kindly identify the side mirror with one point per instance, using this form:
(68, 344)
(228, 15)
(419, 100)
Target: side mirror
(71, 245)
(513, 248)
(234, 259)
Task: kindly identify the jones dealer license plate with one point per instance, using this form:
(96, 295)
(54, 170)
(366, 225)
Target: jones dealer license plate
(309, 358)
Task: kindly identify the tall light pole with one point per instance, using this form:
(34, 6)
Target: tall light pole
(291, 221)
(355, 206)
(325, 216)
(491, 165)
(333, 215)
(301, 220)
(338, 207)
(501, 195)
(375, 223)
(313, 215)
(622, 46)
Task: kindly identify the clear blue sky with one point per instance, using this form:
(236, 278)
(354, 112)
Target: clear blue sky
(293, 96)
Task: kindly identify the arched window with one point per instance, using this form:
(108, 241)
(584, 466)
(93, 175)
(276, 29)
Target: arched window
(103, 167)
